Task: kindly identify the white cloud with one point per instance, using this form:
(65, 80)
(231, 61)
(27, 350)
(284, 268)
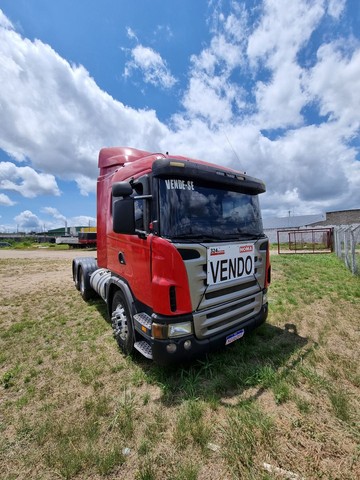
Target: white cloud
(130, 33)
(5, 200)
(82, 220)
(152, 66)
(27, 220)
(211, 98)
(211, 93)
(163, 31)
(59, 219)
(57, 116)
(5, 22)
(336, 7)
(283, 29)
(273, 46)
(53, 212)
(27, 181)
(280, 101)
(316, 162)
(86, 184)
(338, 95)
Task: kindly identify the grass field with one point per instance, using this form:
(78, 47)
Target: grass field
(283, 400)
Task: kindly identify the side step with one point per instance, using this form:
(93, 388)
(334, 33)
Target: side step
(144, 348)
(143, 323)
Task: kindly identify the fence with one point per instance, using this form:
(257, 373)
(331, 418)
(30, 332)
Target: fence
(310, 240)
(347, 246)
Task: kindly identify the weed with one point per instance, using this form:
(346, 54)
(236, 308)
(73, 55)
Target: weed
(247, 429)
(265, 376)
(138, 377)
(7, 379)
(186, 471)
(281, 391)
(190, 382)
(191, 426)
(144, 447)
(147, 470)
(107, 461)
(124, 417)
(303, 405)
(146, 398)
(155, 426)
(341, 404)
(98, 406)
(65, 458)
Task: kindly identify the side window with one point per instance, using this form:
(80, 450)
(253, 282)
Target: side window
(139, 214)
(139, 206)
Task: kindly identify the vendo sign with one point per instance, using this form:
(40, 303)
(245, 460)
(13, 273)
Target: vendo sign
(229, 262)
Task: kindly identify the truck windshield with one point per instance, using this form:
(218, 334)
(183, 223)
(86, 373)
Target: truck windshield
(191, 210)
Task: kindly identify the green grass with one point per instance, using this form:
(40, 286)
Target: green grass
(27, 244)
(191, 427)
(247, 429)
(72, 406)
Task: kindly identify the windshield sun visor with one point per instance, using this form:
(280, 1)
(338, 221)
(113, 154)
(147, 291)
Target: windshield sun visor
(204, 172)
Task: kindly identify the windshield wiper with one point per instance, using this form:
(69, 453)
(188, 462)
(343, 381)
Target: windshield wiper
(250, 236)
(199, 237)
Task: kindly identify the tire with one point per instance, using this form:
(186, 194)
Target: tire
(76, 277)
(121, 323)
(85, 290)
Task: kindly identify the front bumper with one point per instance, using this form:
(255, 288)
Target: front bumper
(201, 347)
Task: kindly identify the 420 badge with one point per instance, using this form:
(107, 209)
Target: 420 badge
(229, 262)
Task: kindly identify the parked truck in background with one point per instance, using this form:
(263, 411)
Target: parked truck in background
(86, 238)
(182, 261)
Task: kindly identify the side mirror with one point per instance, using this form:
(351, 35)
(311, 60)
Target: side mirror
(122, 189)
(124, 215)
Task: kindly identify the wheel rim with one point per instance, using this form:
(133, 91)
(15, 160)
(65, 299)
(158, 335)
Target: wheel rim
(119, 322)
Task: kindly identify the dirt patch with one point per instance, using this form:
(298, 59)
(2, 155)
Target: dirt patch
(46, 253)
(27, 271)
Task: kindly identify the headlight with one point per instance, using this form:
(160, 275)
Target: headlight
(180, 329)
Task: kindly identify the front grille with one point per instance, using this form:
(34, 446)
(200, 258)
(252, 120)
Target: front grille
(226, 310)
(213, 321)
(229, 290)
(221, 306)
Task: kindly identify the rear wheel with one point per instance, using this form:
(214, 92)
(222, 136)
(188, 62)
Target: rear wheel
(121, 323)
(86, 291)
(76, 278)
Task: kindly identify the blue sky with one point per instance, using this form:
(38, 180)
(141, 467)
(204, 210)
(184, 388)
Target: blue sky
(270, 87)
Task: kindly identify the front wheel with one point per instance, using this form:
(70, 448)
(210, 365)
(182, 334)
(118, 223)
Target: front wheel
(121, 323)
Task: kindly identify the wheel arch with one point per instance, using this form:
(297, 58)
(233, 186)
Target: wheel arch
(115, 284)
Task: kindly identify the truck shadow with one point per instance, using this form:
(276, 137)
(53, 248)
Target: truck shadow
(250, 366)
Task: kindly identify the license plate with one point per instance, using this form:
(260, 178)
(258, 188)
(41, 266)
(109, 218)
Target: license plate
(234, 336)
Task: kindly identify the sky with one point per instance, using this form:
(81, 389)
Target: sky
(268, 87)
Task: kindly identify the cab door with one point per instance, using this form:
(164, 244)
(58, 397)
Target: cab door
(129, 255)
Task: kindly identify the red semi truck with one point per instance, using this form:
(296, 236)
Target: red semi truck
(182, 261)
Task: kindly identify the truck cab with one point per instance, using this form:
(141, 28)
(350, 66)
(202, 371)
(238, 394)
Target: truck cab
(182, 260)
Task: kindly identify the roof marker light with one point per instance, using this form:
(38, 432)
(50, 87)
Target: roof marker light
(177, 164)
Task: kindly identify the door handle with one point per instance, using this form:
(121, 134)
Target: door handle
(121, 258)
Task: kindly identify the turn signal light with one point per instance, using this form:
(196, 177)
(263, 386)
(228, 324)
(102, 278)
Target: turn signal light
(159, 331)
